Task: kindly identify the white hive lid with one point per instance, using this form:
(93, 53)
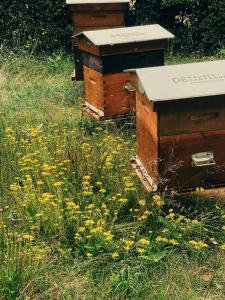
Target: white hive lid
(125, 35)
(95, 1)
(185, 81)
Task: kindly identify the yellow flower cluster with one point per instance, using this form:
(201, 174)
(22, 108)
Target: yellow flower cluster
(73, 183)
(222, 247)
(128, 184)
(161, 239)
(198, 245)
(157, 201)
(87, 187)
(200, 190)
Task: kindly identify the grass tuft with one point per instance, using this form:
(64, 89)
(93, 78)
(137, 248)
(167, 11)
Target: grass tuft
(75, 222)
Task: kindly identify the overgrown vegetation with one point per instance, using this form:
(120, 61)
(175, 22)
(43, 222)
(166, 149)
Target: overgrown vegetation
(42, 25)
(75, 221)
(197, 25)
(36, 26)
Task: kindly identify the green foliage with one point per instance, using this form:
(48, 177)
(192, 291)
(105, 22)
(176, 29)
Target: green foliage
(198, 25)
(45, 25)
(60, 172)
(40, 25)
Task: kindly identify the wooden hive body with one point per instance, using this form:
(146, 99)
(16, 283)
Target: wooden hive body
(171, 132)
(108, 89)
(94, 15)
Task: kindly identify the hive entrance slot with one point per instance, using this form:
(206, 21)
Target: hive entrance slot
(205, 117)
(99, 16)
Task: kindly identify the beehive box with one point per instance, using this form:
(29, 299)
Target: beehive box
(106, 54)
(181, 126)
(94, 15)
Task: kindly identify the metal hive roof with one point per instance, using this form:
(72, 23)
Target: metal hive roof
(127, 35)
(185, 81)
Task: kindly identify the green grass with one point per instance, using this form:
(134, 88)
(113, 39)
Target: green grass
(43, 252)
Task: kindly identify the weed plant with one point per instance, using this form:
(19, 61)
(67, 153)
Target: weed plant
(75, 222)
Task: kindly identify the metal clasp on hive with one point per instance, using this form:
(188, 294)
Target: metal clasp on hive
(203, 159)
(128, 87)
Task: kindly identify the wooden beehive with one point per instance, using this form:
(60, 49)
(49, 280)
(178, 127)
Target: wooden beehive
(181, 125)
(106, 54)
(94, 15)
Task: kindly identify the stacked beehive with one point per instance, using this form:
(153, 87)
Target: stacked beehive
(94, 15)
(180, 110)
(106, 54)
(181, 126)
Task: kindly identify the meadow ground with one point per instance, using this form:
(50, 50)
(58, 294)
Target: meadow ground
(75, 223)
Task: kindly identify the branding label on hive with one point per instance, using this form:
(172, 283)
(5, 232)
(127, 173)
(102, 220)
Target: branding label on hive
(127, 35)
(203, 78)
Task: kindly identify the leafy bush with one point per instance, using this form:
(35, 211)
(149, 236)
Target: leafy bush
(45, 25)
(41, 25)
(198, 25)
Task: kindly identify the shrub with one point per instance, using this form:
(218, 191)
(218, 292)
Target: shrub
(41, 25)
(198, 25)
(45, 25)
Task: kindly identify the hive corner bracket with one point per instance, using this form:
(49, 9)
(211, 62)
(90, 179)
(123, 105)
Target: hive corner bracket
(142, 174)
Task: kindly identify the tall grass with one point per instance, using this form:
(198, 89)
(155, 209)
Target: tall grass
(75, 222)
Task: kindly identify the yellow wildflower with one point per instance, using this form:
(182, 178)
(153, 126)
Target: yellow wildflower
(87, 193)
(103, 206)
(123, 200)
(40, 182)
(129, 243)
(161, 239)
(9, 130)
(200, 190)
(195, 222)
(96, 230)
(38, 215)
(144, 242)
(171, 215)
(107, 236)
(66, 161)
(28, 237)
(89, 254)
(77, 237)
(45, 173)
(15, 187)
(198, 245)
(100, 222)
(165, 230)
(90, 206)
(140, 250)
(58, 184)
(89, 222)
(173, 242)
(142, 202)
(157, 201)
(115, 255)
(81, 229)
